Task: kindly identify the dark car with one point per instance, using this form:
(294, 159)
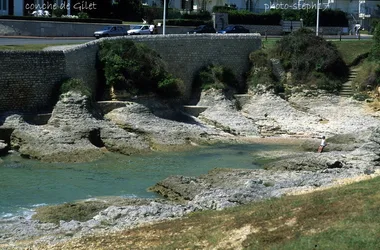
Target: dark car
(202, 29)
(234, 29)
(111, 31)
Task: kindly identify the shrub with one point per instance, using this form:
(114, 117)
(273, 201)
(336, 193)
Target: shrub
(361, 96)
(75, 85)
(170, 86)
(368, 78)
(261, 73)
(375, 50)
(203, 15)
(274, 17)
(222, 9)
(59, 12)
(217, 77)
(373, 23)
(83, 15)
(312, 58)
(136, 68)
(183, 22)
(247, 17)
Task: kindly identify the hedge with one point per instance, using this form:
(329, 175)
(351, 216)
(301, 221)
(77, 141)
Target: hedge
(222, 9)
(59, 19)
(247, 17)
(183, 22)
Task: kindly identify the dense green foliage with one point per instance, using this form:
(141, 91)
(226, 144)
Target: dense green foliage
(247, 17)
(327, 17)
(373, 23)
(175, 18)
(312, 61)
(183, 22)
(216, 77)
(368, 77)
(375, 50)
(137, 69)
(75, 85)
(222, 9)
(261, 73)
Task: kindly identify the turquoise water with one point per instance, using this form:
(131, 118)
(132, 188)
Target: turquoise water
(25, 184)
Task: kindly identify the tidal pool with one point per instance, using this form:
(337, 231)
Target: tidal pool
(25, 184)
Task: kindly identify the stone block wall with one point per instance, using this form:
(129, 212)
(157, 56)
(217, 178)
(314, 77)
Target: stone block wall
(185, 55)
(29, 79)
(80, 63)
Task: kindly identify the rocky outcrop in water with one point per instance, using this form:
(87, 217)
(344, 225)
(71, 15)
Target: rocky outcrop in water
(77, 132)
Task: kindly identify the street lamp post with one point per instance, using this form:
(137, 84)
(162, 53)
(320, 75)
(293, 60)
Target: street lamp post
(317, 25)
(164, 19)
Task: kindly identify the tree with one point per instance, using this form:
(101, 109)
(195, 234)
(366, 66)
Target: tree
(130, 10)
(375, 50)
(168, 3)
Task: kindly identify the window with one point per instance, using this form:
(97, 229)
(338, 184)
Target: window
(3, 4)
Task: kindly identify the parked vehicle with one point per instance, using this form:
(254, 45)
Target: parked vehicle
(202, 29)
(111, 31)
(234, 29)
(139, 30)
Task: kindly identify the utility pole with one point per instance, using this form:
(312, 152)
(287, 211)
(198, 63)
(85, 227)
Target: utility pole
(317, 27)
(164, 19)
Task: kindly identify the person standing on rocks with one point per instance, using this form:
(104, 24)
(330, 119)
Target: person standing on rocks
(322, 145)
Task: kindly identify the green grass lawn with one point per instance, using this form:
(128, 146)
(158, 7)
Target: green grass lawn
(347, 217)
(350, 49)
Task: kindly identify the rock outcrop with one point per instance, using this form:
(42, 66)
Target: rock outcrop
(74, 133)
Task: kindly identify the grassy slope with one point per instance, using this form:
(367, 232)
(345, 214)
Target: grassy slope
(339, 218)
(350, 49)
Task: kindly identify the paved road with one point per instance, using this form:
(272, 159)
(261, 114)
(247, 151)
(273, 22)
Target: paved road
(28, 40)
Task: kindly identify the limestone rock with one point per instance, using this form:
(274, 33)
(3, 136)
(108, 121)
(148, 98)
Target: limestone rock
(3, 147)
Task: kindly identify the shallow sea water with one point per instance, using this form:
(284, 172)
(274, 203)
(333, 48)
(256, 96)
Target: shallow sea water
(25, 184)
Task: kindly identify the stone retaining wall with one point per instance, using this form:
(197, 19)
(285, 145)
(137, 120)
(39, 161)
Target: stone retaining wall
(28, 79)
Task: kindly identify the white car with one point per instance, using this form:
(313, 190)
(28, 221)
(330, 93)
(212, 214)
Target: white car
(139, 30)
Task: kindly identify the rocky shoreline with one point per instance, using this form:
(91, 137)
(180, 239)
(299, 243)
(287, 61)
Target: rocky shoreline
(78, 130)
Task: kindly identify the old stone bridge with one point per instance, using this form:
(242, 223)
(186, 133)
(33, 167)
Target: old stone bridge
(29, 79)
